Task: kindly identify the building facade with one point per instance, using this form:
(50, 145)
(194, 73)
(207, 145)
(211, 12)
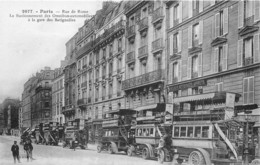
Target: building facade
(41, 97)
(58, 95)
(144, 82)
(70, 80)
(213, 46)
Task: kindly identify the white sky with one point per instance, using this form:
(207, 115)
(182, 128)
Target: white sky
(26, 47)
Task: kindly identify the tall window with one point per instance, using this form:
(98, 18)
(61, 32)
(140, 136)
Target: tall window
(185, 9)
(195, 6)
(110, 68)
(103, 92)
(176, 43)
(142, 68)
(249, 8)
(248, 49)
(97, 94)
(104, 53)
(219, 86)
(194, 66)
(97, 57)
(219, 21)
(97, 74)
(110, 90)
(104, 71)
(248, 90)
(176, 16)
(175, 72)
(111, 50)
(195, 35)
(119, 65)
(119, 44)
(157, 63)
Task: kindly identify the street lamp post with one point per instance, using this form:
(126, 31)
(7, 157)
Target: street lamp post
(246, 152)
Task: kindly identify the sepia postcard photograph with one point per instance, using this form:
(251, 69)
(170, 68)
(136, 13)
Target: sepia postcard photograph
(127, 82)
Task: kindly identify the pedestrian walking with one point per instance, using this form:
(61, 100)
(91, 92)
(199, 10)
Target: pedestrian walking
(28, 149)
(15, 151)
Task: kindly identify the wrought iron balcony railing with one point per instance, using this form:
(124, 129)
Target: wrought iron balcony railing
(248, 61)
(157, 14)
(143, 51)
(84, 84)
(143, 24)
(130, 57)
(130, 31)
(157, 45)
(144, 79)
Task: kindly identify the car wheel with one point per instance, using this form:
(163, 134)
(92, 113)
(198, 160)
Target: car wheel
(99, 148)
(196, 158)
(145, 153)
(161, 156)
(110, 149)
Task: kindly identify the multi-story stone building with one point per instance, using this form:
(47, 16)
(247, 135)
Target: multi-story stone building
(87, 48)
(70, 79)
(41, 97)
(213, 46)
(26, 103)
(145, 54)
(58, 94)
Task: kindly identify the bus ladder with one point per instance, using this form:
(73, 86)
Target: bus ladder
(123, 130)
(161, 130)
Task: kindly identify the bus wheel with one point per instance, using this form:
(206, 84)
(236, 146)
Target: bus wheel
(99, 148)
(145, 153)
(130, 151)
(110, 149)
(196, 158)
(161, 156)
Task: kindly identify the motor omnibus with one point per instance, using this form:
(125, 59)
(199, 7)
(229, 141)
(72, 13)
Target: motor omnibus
(204, 131)
(116, 135)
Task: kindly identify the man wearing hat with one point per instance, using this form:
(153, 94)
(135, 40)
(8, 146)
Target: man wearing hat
(15, 150)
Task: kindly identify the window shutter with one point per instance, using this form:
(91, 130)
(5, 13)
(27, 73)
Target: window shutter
(180, 41)
(170, 73)
(256, 48)
(245, 90)
(200, 64)
(221, 86)
(189, 36)
(200, 6)
(179, 69)
(251, 90)
(171, 45)
(213, 27)
(217, 23)
(225, 54)
(201, 32)
(216, 87)
(240, 13)
(239, 53)
(115, 46)
(216, 53)
(225, 14)
(189, 68)
(257, 11)
(180, 11)
(171, 16)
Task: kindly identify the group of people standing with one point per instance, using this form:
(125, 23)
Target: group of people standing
(27, 148)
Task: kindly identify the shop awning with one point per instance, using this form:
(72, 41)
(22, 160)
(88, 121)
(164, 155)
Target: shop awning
(121, 111)
(152, 106)
(205, 96)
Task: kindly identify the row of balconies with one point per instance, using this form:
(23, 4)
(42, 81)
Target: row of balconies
(118, 26)
(144, 79)
(157, 16)
(157, 45)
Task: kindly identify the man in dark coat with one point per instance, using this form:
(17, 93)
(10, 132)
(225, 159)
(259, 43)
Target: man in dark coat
(28, 148)
(15, 150)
